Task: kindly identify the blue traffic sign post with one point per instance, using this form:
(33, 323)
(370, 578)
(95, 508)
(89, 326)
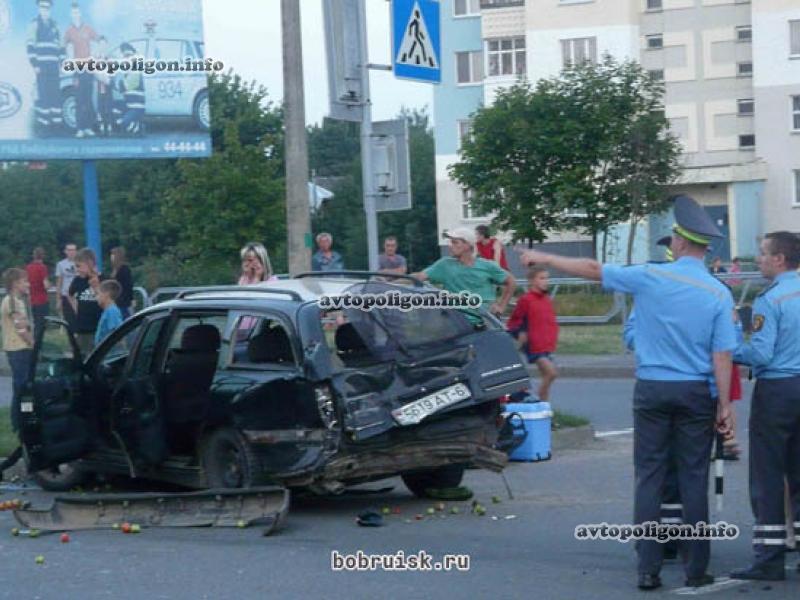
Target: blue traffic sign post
(416, 40)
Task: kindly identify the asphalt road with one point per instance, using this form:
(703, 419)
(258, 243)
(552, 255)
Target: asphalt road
(532, 555)
(607, 403)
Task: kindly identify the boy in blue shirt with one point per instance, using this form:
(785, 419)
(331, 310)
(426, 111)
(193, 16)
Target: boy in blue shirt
(111, 318)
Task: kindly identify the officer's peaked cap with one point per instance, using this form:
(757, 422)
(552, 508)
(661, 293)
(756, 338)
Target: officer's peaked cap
(692, 221)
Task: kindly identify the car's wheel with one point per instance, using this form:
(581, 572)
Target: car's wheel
(202, 111)
(444, 477)
(230, 461)
(62, 478)
(69, 109)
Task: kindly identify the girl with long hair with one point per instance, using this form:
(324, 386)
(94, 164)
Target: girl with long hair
(122, 273)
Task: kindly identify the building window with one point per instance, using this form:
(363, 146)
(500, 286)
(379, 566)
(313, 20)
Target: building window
(655, 42)
(745, 107)
(464, 130)
(794, 38)
(467, 212)
(744, 69)
(796, 113)
(747, 141)
(469, 66)
(656, 74)
(506, 56)
(744, 33)
(654, 4)
(796, 197)
(466, 8)
(578, 50)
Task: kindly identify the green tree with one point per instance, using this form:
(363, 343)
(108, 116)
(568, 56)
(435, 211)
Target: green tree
(585, 150)
(235, 196)
(40, 208)
(334, 150)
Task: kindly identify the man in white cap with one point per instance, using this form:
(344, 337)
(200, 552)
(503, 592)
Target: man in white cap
(462, 271)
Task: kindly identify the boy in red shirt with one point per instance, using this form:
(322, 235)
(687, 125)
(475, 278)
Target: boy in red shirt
(37, 275)
(535, 320)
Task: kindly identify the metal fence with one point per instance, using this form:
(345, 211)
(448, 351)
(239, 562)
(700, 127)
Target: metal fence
(744, 286)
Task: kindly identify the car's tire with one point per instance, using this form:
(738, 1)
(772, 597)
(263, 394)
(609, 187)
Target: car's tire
(202, 111)
(69, 107)
(229, 460)
(417, 482)
(62, 478)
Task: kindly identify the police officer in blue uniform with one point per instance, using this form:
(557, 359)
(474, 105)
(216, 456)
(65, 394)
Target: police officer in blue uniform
(671, 507)
(684, 337)
(45, 53)
(773, 353)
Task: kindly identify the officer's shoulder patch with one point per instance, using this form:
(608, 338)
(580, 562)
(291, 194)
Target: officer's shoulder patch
(758, 322)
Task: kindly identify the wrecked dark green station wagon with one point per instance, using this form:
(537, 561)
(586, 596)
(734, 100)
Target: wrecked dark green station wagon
(245, 386)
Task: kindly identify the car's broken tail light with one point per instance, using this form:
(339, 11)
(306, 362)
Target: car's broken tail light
(325, 405)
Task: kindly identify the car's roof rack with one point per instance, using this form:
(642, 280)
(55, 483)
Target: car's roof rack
(360, 275)
(238, 288)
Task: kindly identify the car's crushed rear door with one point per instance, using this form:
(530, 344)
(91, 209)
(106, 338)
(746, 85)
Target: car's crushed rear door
(408, 367)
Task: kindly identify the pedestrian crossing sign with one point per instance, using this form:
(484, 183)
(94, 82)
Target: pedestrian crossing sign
(416, 40)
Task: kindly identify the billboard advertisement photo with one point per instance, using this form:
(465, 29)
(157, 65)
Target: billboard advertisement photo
(94, 79)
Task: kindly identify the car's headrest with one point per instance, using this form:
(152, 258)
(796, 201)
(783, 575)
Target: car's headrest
(201, 338)
(348, 340)
(270, 346)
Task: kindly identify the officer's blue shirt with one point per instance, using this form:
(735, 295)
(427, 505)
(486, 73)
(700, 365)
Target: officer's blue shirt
(627, 338)
(683, 315)
(774, 348)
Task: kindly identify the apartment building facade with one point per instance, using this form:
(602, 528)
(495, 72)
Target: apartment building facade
(734, 104)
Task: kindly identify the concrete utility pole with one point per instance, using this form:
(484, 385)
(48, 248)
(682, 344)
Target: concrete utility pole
(366, 151)
(298, 219)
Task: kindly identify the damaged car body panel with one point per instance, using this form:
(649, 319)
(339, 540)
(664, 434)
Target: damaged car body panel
(242, 387)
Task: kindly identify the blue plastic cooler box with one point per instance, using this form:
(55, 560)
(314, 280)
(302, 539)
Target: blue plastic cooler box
(537, 418)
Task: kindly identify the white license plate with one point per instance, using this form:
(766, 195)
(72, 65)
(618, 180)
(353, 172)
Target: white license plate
(413, 412)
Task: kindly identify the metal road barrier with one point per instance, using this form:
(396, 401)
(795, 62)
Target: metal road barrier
(744, 286)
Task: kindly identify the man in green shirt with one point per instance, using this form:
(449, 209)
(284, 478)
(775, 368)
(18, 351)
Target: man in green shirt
(462, 271)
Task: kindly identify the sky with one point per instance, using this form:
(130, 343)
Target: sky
(246, 35)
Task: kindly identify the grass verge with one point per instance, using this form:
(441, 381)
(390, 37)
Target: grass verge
(590, 339)
(565, 420)
(8, 440)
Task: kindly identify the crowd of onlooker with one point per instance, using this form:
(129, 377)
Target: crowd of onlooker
(92, 303)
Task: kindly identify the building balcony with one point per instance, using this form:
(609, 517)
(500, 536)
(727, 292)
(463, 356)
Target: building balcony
(487, 4)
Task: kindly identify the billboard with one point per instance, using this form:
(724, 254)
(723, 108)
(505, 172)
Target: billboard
(93, 79)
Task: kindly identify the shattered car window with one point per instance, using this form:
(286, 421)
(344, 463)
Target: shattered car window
(390, 333)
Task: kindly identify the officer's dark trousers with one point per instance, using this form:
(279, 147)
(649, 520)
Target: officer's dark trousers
(48, 101)
(85, 115)
(677, 417)
(774, 454)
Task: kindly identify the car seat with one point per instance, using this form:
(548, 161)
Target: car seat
(189, 373)
(271, 345)
(350, 347)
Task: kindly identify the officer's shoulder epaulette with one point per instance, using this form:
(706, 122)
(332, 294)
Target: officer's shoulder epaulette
(766, 289)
